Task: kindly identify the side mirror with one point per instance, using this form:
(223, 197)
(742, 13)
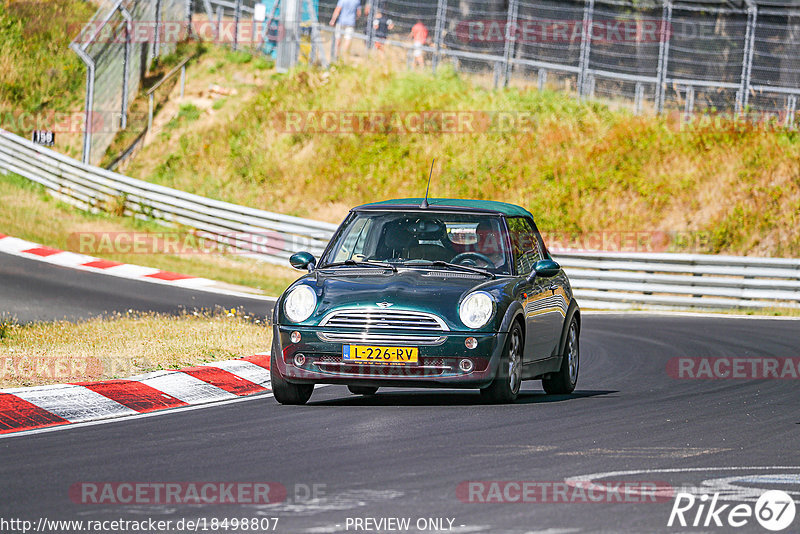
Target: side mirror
(545, 269)
(303, 260)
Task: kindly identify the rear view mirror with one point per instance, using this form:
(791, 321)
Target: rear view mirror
(545, 269)
(303, 260)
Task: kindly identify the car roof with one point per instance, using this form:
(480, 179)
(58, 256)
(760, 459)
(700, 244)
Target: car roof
(451, 204)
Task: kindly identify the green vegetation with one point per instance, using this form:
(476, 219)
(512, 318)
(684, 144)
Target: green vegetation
(40, 72)
(578, 166)
(124, 345)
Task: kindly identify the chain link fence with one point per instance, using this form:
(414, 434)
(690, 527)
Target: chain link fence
(690, 57)
(117, 46)
(735, 57)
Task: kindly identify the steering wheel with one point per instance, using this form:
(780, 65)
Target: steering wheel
(465, 258)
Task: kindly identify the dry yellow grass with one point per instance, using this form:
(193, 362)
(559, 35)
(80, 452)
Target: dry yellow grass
(123, 345)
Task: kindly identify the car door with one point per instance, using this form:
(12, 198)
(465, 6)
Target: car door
(533, 293)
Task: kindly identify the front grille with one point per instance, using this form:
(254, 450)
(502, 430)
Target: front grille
(366, 319)
(377, 338)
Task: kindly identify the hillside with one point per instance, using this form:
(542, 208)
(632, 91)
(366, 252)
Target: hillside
(579, 167)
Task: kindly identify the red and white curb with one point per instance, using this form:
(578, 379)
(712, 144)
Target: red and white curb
(39, 407)
(35, 251)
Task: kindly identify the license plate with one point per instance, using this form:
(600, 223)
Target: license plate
(380, 355)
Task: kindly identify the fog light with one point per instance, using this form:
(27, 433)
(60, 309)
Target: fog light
(471, 342)
(299, 360)
(466, 365)
(295, 337)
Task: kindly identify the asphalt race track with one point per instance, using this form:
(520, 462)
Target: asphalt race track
(403, 454)
(32, 290)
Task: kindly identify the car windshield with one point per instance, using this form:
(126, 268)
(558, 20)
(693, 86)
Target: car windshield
(419, 238)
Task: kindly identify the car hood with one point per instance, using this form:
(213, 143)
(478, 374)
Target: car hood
(435, 291)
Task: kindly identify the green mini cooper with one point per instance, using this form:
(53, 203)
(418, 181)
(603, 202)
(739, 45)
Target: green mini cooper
(416, 293)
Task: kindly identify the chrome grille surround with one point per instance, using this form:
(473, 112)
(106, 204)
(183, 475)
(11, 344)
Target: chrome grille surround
(383, 318)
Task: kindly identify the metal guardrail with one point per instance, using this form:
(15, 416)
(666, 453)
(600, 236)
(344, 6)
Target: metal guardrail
(269, 236)
(600, 280)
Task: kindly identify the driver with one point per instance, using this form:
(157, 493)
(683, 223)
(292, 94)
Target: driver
(488, 243)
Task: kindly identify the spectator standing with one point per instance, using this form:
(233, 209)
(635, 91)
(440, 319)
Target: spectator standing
(419, 34)
(382, 26)
(344, 18)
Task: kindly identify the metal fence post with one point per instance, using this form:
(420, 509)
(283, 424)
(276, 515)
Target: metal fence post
(637, 98)
(511, 39)
(219, 24)
(542, 79)
(237, 14)
(370, 21)
(747, 58)
(157, 36)
(441, 15)
(689, 104)
(586, 45)
(188, 18)
(791, 109)
(126, 66)
(89, 102)
(665, 34)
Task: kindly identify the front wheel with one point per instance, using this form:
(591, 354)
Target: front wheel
(563, 382)
(362, 390)
(505, 386)
(286, 392)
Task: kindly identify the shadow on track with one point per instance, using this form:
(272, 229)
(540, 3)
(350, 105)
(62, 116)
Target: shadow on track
(449, 398)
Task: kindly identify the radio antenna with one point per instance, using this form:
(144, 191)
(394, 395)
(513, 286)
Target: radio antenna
(425, 200)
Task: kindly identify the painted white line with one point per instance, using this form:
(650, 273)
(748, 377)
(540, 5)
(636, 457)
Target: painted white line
(127, 270)
(727, 493)
(248, 371)
(187, 388)
(74, 403)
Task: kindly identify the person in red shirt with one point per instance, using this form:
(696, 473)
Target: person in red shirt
(419, 34)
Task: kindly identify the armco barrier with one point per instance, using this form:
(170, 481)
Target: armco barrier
(600, 280)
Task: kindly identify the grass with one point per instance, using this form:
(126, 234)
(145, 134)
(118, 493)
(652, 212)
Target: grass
(41, 75)
(123, 345)
(30, 213)
(580, 167)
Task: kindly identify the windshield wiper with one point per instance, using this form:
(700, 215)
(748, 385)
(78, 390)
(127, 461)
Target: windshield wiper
(439, 263)
(380, 265)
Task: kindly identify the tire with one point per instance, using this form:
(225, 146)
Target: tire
(505, 386)
(286, 392)
(563, 382)
(362, 390)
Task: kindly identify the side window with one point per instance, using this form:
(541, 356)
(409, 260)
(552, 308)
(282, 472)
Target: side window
(354, 241)
(525, 247)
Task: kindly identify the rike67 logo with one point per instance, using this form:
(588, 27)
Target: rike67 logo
(774, 510)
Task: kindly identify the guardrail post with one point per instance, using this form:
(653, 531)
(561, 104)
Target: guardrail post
(89, 100)
(586, 45)
(183, 80)
(511, 39)
(791, 108)
(747, 58)
(542, 79)
(237, 14)
(441, 15)
(665, 34)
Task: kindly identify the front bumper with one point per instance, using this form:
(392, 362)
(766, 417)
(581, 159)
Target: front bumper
(438, 364)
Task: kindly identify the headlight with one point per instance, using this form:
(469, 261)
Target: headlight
(300, 303)
(476, 310)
